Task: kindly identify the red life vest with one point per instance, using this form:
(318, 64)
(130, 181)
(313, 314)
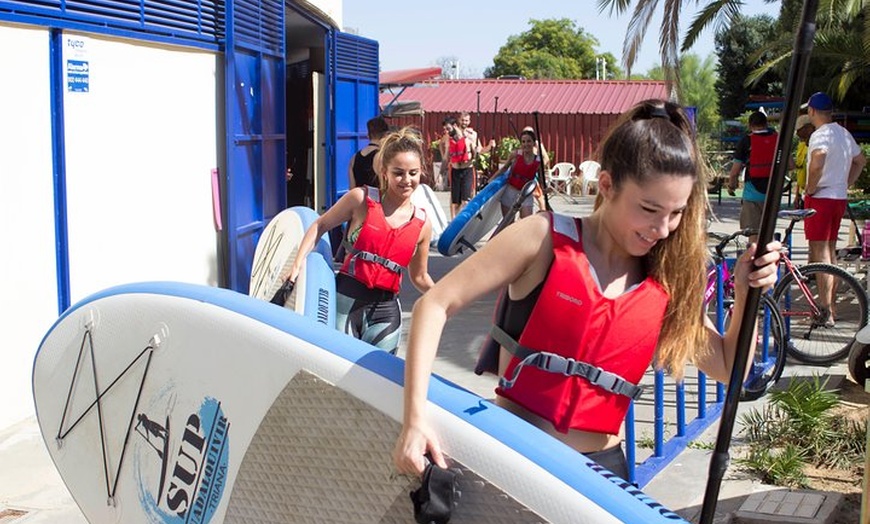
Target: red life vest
(380, 252)
(522, 172)
(574, 320)
(459, 151)
(762, 148)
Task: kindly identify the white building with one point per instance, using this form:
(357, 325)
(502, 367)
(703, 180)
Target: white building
(148, 141)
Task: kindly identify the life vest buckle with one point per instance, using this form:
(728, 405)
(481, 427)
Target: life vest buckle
(603, 379)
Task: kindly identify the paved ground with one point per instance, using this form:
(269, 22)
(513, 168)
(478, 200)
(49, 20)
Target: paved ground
(29, 482)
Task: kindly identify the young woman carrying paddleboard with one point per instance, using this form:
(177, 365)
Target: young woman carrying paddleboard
(386, 234)
(591, 302)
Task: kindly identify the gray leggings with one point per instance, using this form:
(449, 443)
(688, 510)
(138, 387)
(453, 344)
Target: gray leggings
(368, 315)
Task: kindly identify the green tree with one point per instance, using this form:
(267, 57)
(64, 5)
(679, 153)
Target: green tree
(553, 48)
(719, 13)
(637, 26)
(738, 50)
(698, 79)
(840, 59)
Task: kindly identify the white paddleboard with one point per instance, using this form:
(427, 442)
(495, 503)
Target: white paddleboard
(314, 294)
(477, 218)
(164, 402)
(425, 198)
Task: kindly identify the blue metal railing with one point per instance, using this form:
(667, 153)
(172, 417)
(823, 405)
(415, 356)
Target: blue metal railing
(686, 396)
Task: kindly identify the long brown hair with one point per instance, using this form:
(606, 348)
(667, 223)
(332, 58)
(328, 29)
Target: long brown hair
(651, 140)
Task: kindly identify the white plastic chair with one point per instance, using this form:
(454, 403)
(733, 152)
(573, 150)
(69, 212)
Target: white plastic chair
(560, 178)
(588, 175)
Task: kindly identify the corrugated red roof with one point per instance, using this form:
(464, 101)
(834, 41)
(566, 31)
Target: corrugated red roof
(528, 96)
(401, 77)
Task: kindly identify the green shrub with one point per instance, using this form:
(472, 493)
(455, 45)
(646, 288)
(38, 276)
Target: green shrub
(799, 426)
(777, 466)
(482, 162)
(506, 146)
(435, 146)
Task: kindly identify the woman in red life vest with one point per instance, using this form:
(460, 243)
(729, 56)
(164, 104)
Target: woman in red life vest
(613, 292)
(386, 234)
(523, 165)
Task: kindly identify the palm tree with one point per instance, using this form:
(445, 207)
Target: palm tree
(717, 12)
(841, 47)
(842, 42)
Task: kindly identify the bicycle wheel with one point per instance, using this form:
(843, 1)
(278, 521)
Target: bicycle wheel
(766, 369)
(814, 336)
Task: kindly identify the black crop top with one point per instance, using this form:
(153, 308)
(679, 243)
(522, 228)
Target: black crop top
(517, 312)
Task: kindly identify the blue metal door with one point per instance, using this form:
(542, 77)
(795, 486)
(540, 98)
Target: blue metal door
(353, 91)
(253, 183)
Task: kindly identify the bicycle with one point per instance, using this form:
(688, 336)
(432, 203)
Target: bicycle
(769, 359)
(817, 334)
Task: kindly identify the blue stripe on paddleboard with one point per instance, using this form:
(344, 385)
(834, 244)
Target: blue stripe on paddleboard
(468, 213)
(320, 290)
(616, 497)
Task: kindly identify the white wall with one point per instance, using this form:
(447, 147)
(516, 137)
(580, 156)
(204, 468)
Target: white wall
(140, 146)
(28, 284)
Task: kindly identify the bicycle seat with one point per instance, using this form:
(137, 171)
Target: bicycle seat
(796, 214)
(716, 236)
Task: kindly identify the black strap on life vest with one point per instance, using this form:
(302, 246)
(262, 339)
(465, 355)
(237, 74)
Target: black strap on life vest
(368, 256)
(554, 363)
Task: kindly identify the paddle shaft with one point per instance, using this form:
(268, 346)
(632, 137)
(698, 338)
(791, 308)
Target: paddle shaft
(542, 176)
(797, 74)
(512, 125)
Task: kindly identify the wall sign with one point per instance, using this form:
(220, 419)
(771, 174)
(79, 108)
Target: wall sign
(75, 57)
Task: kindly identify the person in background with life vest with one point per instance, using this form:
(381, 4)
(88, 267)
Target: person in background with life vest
(545, 157)
(834, 163)
(460, 151)
(754, 154)
(361, 170)
(615, 291)
(523, 166)
(803, 128)
(386, 233)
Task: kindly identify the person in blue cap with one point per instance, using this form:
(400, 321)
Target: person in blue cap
(834, 162)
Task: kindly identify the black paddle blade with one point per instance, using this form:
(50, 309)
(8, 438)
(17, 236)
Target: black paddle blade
(435, 499)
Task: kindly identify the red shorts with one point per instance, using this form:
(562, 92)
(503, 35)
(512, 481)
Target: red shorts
(825, 224)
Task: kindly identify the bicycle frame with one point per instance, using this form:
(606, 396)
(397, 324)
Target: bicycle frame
(800, 280)
(720, 283)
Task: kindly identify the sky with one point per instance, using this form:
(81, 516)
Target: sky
(416, 34)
